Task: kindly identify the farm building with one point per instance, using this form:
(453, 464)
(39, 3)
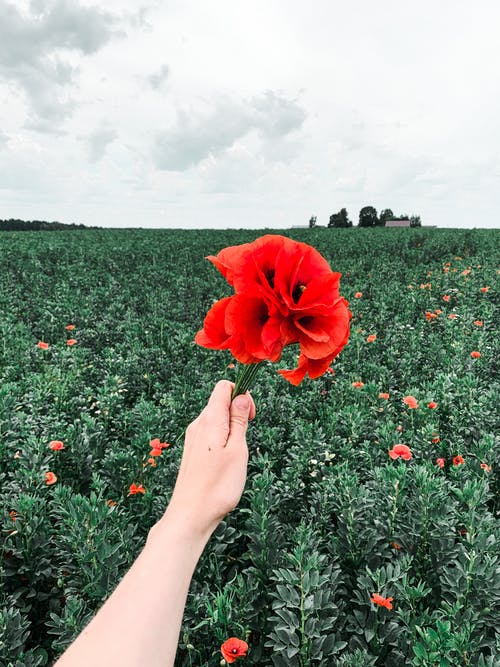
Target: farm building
(397, 223)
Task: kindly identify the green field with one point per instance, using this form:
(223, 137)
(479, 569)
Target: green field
(327, 517)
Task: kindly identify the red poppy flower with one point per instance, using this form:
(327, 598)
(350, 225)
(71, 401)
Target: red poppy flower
(435, 438)
(381, 601)
(371, 338)
(396, 546)
(156, 444)
(384, 395)
(475, 354)
(233, 648)
(71, 341)
(42, 345)
(485, 289)
(56, 445)
(411, 402)
(478, 323)
(155, 451)
(357, 384)
(485, 466)
(452, 316)
(446, 297)
(13, 515)
(50, 478)
(110, 503)
(458, 460)
(285, 293)
(440, 462)
(432, 405)
(358, 295)
(69, 327)
(135, 489)
(402, 451)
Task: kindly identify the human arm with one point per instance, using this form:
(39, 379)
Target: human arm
(139, 624)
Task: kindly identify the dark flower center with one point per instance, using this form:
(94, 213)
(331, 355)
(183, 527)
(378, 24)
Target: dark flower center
(304, 321)
(297, 291)
(269, 274)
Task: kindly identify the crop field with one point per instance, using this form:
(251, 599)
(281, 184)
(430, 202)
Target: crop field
(97, 352)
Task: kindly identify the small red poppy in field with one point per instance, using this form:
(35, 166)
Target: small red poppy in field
(435, 438)
(458, 460)
(371, 338)
(233, 648)
(71, 341)
(478, 323)
(465, 272)
(358, 295)
(69, 327)
(446, 298)
(396, 546)
(432, 405)
(384, 395)
(402, 451)
(13, 515)
(56, 445)
(155, 451)
(440, 462)
(475, 354)
(156, 444)
(358, 384)
(50, 478)
(381, 601)
(438, 311)
(485, 467)
(330, 371)
(135, 489)
(485, 289)
(430, 316)
(411, 402)
(42, 345)
(452, 316)
(231, 366)
(111, 503)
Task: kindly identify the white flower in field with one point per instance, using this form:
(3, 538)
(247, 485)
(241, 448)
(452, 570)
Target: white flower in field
(313, 473)
(313, 462)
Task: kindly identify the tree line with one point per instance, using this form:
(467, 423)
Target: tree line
(368, 217)
(15, 225)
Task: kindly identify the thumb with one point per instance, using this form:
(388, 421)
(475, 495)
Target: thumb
(238, 416)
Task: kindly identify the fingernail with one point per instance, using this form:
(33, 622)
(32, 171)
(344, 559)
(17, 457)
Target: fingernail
(242, 402)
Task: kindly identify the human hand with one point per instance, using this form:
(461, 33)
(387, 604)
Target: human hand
(213, 469)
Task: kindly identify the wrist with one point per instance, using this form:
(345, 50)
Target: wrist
(185, 524)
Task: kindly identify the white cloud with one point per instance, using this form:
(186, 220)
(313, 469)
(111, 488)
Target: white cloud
(99, 140)
(158, 79)
(197, 136)
(33, 48)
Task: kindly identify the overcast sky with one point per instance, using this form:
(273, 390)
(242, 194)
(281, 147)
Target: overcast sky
(181, 113)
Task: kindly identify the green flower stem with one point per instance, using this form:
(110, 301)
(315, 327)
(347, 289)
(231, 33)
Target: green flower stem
(245, 378)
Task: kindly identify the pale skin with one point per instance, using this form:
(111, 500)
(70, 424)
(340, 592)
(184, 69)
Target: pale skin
(140, 622)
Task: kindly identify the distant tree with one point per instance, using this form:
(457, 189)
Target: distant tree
(312, 221)
(403, 216)
(340, 219)
(385, 215)
(368, 217)
(415, 221)
(15, 225)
